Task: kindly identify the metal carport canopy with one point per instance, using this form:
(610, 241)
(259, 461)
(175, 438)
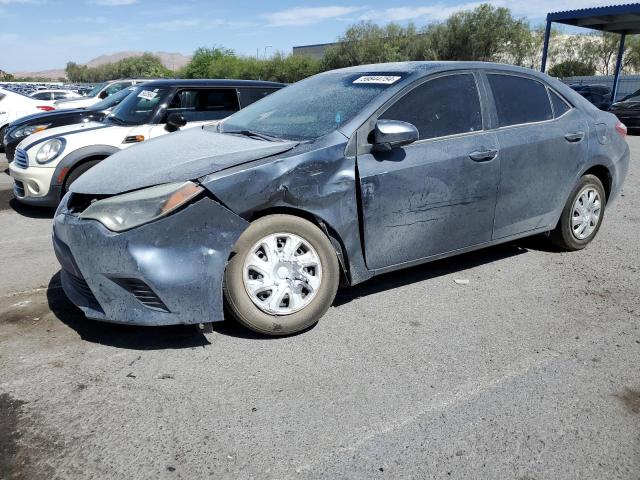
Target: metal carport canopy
(622, 19)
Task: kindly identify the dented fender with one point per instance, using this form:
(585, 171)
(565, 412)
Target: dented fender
(318, 180)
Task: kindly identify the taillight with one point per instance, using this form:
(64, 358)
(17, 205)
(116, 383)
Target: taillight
(45, 108)
(621, 128)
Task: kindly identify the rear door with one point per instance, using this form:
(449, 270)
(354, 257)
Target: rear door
(542, 142)
(438, 194)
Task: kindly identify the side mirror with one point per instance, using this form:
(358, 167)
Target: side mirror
(175, 121)
(103, 94)
(390, 134)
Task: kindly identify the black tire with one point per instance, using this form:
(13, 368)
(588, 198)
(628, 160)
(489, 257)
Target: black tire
(243, 308)
(3, 130)
(77, 171)
(563, 235)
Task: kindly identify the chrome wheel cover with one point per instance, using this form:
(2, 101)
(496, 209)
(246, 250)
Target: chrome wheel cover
(585, 214)
(282, 273)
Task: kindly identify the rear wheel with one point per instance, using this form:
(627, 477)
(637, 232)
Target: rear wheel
(582, 215)
(283, 277)
(79, 170)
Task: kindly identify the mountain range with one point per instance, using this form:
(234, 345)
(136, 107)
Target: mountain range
(172, 61)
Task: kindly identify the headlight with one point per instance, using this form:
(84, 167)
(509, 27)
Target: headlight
(26, 131)
(130, 210)
(49, 150)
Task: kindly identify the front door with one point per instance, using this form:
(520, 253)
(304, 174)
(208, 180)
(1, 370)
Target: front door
(438, 194)
(199, 106)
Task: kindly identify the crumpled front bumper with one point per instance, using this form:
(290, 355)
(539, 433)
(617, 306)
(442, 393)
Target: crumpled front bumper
(166, 272)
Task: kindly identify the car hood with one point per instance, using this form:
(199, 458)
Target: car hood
(175, 157)
(47, 116)
(626, 105)
(61, 131)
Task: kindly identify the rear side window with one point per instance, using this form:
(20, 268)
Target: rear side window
(443, 106)
(199, 105)
(42, 96)
(116, 87)
(560, 107)
(250, 95)
(2, 95)
(519, 100)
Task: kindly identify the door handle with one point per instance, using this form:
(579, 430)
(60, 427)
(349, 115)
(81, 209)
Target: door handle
(574, 137)
(483, 155)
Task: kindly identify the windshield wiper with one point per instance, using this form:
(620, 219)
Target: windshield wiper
(117, 120)
(252, 134)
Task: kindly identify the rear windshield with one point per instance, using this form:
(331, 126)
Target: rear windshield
(313, 107)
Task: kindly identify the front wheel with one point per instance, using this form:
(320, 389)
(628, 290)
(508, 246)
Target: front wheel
(582, 215)
(283, 277)
(3, 131)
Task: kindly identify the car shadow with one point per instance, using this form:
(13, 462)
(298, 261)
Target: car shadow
(439, 268)
(120, 336)
(27, 210)
(189, 336)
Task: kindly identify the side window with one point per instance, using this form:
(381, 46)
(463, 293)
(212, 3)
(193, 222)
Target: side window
(60, 95)
(519, 99)
(443, 106)
(116, 87)
(200, 105)
(560, 107)
(250, 95)
(42, 96)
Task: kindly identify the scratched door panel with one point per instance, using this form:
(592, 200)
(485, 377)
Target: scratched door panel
(427, 198)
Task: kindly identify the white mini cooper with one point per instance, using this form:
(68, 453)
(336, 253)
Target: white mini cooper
(48, 162)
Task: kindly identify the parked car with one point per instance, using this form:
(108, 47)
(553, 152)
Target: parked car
(48, 162)
(628, 110)
(15, 105)
(38, 122)
(99, 92)
(347, 174)
(54, 95)
(599, 95)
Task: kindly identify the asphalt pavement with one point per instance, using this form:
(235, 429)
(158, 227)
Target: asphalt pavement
(529, 371)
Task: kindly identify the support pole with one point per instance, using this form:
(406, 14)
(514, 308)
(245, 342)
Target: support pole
(545, 47)
(616, 75)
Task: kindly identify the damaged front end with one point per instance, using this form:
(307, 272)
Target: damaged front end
(168, 271)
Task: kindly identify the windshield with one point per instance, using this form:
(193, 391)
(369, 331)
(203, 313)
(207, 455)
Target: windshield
(138, 107)
(111, 100)
(96, 90)
(634, 97)
(310, 108)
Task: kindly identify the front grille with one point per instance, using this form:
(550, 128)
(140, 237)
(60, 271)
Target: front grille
(21, 159)
(18, 189)
(142, 292)
(81, 286)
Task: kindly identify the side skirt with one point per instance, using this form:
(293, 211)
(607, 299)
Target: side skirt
(453, 253)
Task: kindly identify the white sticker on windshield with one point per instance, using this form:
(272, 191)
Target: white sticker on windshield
(384, 79)
(147, 95)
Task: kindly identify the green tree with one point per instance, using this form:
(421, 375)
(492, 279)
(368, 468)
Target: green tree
(367, 42)
(145, 66)
(572, 68)
(485, 33)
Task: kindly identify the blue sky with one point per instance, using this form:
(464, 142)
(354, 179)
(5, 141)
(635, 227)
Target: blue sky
(44, 34)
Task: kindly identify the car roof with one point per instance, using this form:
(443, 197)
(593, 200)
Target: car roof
(212, 83)
(434, 66)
